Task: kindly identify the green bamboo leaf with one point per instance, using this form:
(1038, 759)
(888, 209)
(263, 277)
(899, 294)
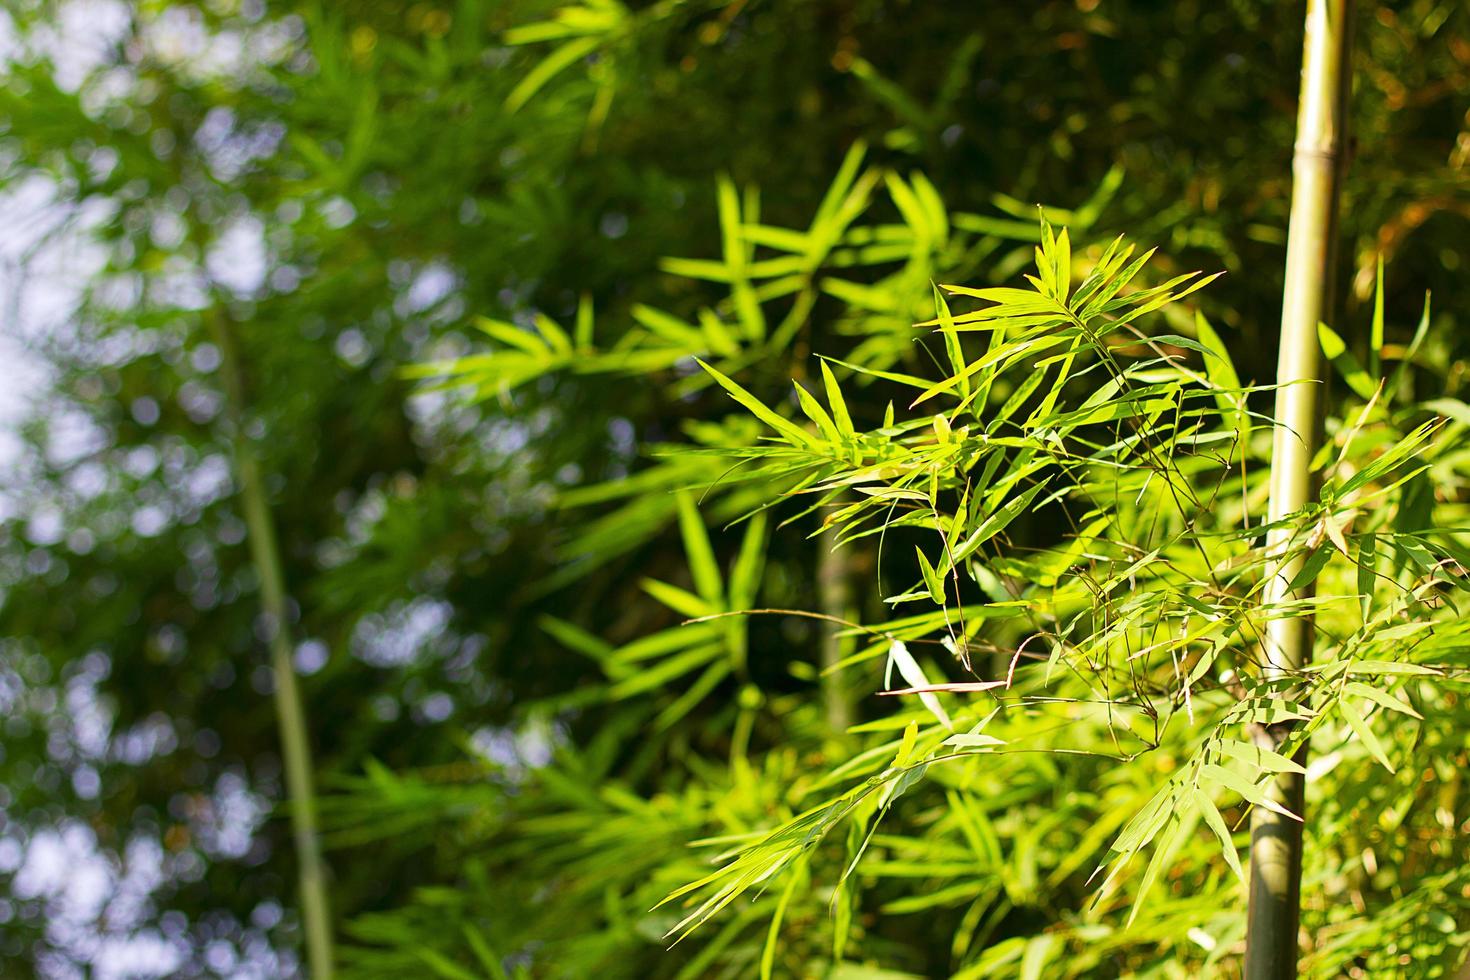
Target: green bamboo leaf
(745, 576)
(1311, 568)
(575, 638)
(813, 410)
(862, 296)
(548, 68)
(773, 933)
(1007, 352)
(1365, 733)
(1039, 950)
(1146, 823)
(1046, 264)
(933, 205)
(1243, 786)
(1261, 759)
(841, 185)
(1063, 264)
(974, 740)
(1267, 711)
(670, 328)
(728, 201)
(697, 692)
(909, 207)
(702, 565)
(666, 641)
(553, 332)
(1376, 667)
(1401, 451)
(442, 966)
(1105, 294)
(513, 336)
(836, 402)
(648, 678)
(1216, 823)
(792, 432)
(1401, 372)
(487, 957)
(907, 741)
(931, 578)
(1017, 398)
(678, 599)
(717, 335)
(1367, 572)
(1381, 697)
(1343, 360)
(784, 239)
(904, 379)
(707, 270)
(1107, 267)
(991, 526)
(952, 345)
(1164, 849)
(1006, 228)
(584, 322)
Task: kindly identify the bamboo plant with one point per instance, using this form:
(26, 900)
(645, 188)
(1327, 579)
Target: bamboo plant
(1144, 618)
(1276, 837)
(1066, 410)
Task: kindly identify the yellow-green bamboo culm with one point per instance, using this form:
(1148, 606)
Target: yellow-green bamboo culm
(1276, 841)
(290, 714)
(834, 592)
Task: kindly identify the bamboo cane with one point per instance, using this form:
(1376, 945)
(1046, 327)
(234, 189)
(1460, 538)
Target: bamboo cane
(835, 596)
(290, 714)
(1276, 841)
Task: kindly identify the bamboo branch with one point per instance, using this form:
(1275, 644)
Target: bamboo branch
(1276, 842)
(290, 714)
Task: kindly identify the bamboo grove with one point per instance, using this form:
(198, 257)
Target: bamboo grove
(734, 489)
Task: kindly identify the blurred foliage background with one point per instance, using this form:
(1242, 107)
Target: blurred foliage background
(351, 185)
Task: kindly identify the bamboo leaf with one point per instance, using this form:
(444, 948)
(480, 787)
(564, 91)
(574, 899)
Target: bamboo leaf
(792, 432)
(1365, 733)
(814, 411)
(1216, 823)
(547, 69)
(931, 578)
(745, 576)
(1343, 360)
(1381, 697)
(836, 402)
(702, 565)
(991, 526)
(1401, 372)
(1246, 788)
(909, 669)
(1258, 757)
(773, 933)
(584, 322)
(678, 599)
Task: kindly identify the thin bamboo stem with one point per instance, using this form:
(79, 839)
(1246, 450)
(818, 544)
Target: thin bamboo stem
(290, 713)
(1276, 841)
(834, 594)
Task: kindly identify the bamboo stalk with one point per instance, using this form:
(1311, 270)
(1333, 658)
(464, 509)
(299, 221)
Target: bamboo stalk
(1276, 841)
(290, 713)
(834, 594)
